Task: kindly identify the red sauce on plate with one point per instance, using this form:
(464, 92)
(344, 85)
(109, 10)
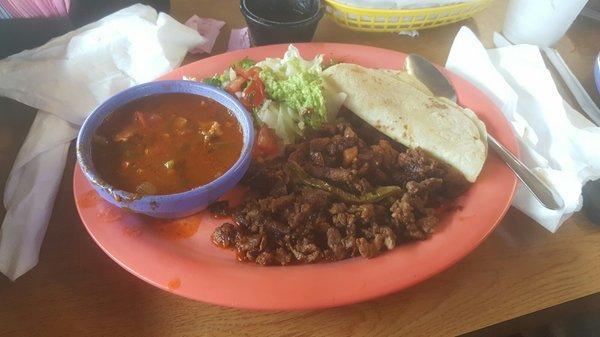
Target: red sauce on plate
(166, 144)
(174, 283)
(89, 199)
(107, 212)
(175, 228)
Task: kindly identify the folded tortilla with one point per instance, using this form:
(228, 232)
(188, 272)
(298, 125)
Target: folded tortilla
(400, 106)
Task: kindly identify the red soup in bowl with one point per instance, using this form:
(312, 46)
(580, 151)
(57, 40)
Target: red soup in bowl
(166, 144)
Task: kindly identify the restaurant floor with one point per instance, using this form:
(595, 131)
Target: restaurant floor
(583, 325)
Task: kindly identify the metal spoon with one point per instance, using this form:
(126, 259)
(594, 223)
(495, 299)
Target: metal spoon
(439, 85)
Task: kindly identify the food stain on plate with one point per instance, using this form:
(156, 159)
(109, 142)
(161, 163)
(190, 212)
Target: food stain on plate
(133, 231)
(108, 212)
(174, 283)
(235, 196)
(88, 199)
(175, 229)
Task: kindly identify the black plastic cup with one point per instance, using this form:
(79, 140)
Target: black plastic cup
(281, 21)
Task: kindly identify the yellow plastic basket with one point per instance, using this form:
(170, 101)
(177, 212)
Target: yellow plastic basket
(395, 20)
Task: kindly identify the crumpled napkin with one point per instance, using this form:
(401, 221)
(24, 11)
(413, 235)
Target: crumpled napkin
(239, 39)
(208, 28)
(66, 79)
(409, 33)
(556, 142)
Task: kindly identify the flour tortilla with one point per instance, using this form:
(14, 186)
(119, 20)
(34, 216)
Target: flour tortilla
(400, 106)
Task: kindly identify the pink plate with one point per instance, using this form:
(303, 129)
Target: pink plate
(179, 257)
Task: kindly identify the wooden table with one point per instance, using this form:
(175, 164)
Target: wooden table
(519, 270)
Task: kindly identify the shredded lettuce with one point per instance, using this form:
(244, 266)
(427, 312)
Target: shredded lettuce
(297, 100)
(246, 63)
(214, 81)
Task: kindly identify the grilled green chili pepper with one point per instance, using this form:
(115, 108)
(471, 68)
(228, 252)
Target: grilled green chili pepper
(377, 195)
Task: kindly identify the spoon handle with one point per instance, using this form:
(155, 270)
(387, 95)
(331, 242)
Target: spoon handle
(544, 193)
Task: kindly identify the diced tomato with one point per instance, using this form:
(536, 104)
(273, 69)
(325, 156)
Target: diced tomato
(254, 72)
(267, 143)
(235, 85)
(254, 94)
(241, 72)
(250, 73)
(155, 119)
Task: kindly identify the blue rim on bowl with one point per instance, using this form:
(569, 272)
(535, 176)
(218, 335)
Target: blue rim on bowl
(169, 205)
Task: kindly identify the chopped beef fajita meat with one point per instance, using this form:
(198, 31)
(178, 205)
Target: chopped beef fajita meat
(333, 195)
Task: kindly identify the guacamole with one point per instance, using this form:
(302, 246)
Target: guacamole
(302, 92)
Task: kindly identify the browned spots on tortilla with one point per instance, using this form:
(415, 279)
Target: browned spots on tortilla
(88, 199)
(176, 228)
(383, 128)
(356, 70)
(174, 283)
(436, 104)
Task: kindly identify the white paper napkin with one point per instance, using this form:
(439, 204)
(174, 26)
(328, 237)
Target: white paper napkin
(66, 79)
(556, 142)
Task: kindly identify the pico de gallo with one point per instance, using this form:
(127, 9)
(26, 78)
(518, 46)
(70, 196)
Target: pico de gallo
(287, 96)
